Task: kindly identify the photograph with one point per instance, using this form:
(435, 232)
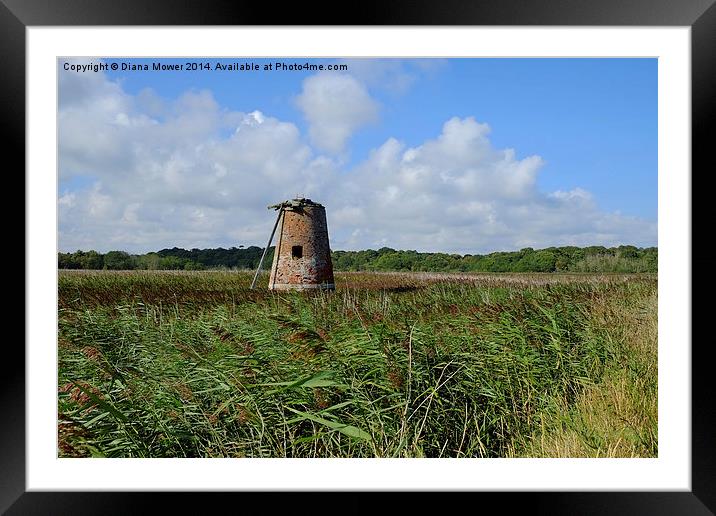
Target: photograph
(421, 247)
(286, 257)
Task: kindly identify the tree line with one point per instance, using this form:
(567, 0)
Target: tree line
(625, 258)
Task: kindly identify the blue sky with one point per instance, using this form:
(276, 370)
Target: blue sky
(583, 134)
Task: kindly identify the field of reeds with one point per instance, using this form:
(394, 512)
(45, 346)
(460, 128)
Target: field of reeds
(195, 364)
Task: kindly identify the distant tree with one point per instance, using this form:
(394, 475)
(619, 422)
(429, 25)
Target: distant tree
(68, 261)
(91, 260)
(597, 250)
(149, 261)
(171, 263)
(627, 251)
(118, 260)
(624, 258)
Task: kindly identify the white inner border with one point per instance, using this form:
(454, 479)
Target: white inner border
(670, 471)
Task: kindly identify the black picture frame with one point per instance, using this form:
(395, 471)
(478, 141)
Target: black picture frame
(699, 15)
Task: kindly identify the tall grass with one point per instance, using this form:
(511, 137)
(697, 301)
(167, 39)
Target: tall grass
(197, 365)
(613, 263)
(618, 416)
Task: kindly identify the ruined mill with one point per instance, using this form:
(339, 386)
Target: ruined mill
(302, 258)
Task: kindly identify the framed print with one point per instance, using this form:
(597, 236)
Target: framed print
(464, 222)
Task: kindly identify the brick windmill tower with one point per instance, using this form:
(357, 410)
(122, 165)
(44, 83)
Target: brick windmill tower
(302, 259)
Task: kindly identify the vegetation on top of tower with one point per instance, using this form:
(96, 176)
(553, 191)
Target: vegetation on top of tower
(299, 202)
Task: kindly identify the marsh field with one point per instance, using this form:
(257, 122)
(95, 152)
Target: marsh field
(195, 364)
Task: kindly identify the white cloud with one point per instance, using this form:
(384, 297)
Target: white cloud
(395, 76)
(178, 177)
(457, 193)
(189, 173)
(335, 106)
